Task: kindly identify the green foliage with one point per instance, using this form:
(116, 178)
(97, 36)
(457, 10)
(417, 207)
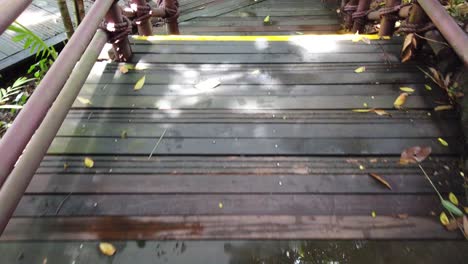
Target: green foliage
(14, 94)
(45, 54)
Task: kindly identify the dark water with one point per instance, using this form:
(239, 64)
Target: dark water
(232, 252)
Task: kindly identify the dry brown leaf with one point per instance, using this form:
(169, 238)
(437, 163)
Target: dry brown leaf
(402, 216)
(381, 180)
(107, 249)
(123, 69)
(409, 45)
(443, 107)
(408, 40)
(415, 154)
(381, 112)
(454, 224)
(400, 101)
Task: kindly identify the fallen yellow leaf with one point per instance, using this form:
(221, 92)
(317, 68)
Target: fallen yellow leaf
(220, 205)
(453, 198)
(381, 112)
(400, 101)
(88, 162)
(443, 107)
(140, 83)
(107, 249)
(407, 89)
(84, 101)
(362, 110)
(123, 134)
(360, 69)
(373, 214)
(361, 167)
(267, 19)
(123, 69)
(428, 87)
(443, 142)
(444, 219)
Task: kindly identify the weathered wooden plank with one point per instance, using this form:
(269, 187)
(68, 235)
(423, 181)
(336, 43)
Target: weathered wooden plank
(258, 181)
(96, 89)
(269, 58)
(225, 227)
(224, 252)
(273, 28)
(250, 102)
(249, 21)
(272, 47)
(136, 130)
(232, 204)
(274, 116)
(248, 146)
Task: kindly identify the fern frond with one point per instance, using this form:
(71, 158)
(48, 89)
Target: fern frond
(32, 41)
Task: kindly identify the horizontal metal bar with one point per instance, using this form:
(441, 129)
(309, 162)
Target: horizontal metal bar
(10, 11)
(30, 117)
(454, 35)
(17, 182)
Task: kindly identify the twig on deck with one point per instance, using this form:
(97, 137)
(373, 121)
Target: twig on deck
(61, 203)
(157, 143)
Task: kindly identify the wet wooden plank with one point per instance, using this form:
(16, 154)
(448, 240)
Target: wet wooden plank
(225, 227)
(248, 146)
(223, 130)
(250, 102)
(271, 47)
(246, 181)
(384, 204)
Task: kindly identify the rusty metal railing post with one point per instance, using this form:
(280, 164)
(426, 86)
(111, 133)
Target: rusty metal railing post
(360, 16)
(143, 13)
(389, 15)
(172, 13)
(118, 29)
(10, 11)
(348, 10)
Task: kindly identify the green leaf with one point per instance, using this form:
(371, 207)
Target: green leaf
(428, 87)
(443, 142)
(140, 83)
(453, 198)
(451, 208)
(407, 89)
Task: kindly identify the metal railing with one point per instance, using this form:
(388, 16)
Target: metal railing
(418, 13)
(26, 142)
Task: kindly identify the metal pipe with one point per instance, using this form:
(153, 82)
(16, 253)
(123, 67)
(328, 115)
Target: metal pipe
(454, 35)
(10, 11)
(123, 51)
(30, 117)
(387, 22)
(144, 26)
(402, 13)
(359, 23)
(19, 179)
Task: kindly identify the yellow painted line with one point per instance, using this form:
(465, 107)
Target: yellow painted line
(351, 37)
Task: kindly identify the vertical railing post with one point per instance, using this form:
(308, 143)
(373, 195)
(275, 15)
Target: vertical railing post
(172, 11)
(348, 10)
(118, 29)
(389, 15)
(143, 17)
(360, 16)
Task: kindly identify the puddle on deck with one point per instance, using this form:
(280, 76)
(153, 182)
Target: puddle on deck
(233, 252)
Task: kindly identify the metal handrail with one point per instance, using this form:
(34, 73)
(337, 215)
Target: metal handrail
(455, 36)
(11, 10)
(30, 117)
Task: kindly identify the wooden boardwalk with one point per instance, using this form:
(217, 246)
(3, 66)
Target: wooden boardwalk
(44, 19)
(274, 152)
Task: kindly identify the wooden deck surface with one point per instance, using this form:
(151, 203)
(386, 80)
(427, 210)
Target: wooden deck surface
(274, 152)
